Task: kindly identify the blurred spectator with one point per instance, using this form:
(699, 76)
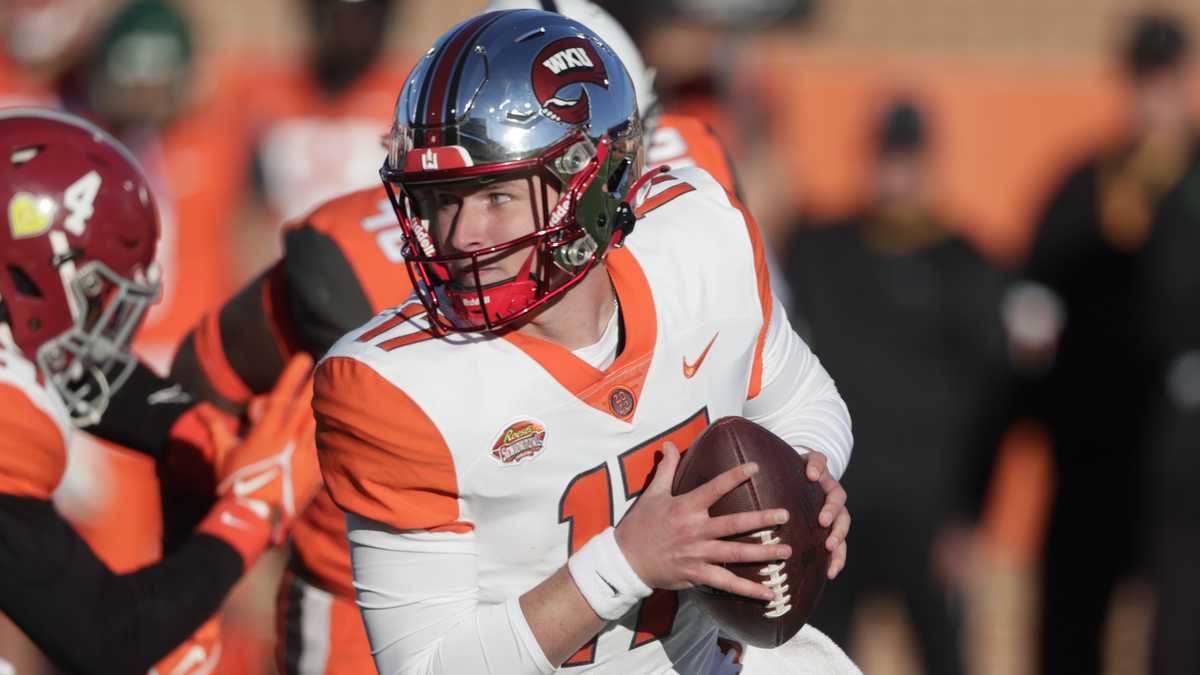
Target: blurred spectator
(1168, 290)
(39, 40)
(693, 43)
(1107, 257)
(319, 129)
(906, 316)
(694, 56)
(139, 81)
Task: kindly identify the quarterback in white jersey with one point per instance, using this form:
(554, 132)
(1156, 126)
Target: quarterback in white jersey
(504, 443)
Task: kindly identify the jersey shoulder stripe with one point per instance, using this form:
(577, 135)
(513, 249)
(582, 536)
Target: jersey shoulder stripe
(703, 238)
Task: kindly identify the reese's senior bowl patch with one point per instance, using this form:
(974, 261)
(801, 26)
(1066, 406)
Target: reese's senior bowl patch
(520, 441)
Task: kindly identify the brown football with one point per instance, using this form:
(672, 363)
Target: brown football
(780, 483)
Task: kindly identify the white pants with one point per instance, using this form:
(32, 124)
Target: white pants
(811, 652)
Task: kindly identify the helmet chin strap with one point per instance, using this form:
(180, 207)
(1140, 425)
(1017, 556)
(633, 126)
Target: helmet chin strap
(66, 269)
(493, 303)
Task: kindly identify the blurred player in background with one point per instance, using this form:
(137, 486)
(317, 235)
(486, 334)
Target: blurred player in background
(318, 131)
(341, 265)
(1101, 250)
(909, 317)
(78, 242)
(132, 70)
(697, 51)
(674, 139)
(541, 314)
(694, 46)
(139, 79)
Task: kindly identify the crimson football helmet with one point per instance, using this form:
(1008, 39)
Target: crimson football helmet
(514, 94)
(77, 249)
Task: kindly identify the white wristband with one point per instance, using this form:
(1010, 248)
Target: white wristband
(605, 578)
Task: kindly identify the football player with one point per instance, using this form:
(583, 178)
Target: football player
(495, 441)
(341, 265)
(78, 244)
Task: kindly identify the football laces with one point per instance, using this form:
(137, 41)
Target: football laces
(775, 578)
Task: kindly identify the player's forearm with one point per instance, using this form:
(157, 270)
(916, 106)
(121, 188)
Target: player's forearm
(142, 412)
(530, 635)
(238, 349)
(559, 616)
(77, 610)
(419, 599)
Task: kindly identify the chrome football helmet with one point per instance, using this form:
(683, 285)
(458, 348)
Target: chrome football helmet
(504, 95)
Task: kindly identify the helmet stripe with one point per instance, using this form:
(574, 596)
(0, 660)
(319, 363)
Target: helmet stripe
(435, 66)
(452, 92)
(437, 84)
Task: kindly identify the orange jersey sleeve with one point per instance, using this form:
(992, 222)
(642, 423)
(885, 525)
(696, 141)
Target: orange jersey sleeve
(685, 141)
(381, 456)
(341, 265)
(33, 451)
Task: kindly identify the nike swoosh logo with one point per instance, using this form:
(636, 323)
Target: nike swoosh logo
(171, 394)
(246, 486)
(690, 370)
(607, 583)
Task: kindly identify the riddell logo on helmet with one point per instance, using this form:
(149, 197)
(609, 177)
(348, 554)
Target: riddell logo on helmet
(562, 63)
(519, 442)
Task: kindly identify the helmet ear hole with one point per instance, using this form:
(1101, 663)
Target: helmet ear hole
(619, 176)
(577, 254)
(23, 282)
(23, 155)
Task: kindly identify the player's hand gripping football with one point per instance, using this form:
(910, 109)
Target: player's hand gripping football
(671, 542)
(274, 470)
(833, 512)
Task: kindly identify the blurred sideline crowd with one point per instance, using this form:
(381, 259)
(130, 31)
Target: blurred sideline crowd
(998, 268)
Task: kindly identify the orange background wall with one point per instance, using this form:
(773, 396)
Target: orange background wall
(1002, 132)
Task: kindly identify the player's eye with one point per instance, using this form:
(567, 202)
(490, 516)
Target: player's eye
(498, 198)
(446, 200)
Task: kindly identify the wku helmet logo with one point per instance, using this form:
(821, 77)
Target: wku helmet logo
(562, 63)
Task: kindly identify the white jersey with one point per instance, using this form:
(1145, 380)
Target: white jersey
(517, 452)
